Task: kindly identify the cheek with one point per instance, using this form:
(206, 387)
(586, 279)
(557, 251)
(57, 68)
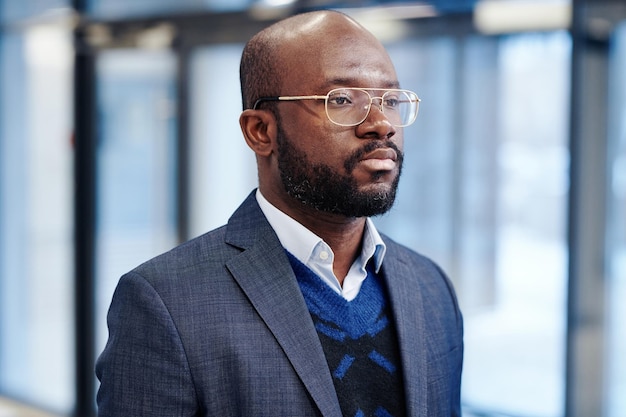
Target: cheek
(332, 148)
(302, 116)
(320, 140)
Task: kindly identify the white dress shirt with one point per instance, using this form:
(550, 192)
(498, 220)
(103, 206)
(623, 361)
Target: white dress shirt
(313, 252)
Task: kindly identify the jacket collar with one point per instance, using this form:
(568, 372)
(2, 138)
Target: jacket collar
(266, 277)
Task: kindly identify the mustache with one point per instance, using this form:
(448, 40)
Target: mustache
(370, 146)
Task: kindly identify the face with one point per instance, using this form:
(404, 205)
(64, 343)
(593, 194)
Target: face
(351, 171)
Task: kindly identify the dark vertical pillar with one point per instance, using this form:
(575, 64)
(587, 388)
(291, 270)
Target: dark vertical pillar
(586, 334)
(182, 140)
(84, 220)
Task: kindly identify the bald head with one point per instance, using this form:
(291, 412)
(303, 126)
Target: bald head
(293, 50)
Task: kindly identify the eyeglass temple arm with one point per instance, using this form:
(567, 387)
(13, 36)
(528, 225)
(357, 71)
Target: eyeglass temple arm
(286, 98)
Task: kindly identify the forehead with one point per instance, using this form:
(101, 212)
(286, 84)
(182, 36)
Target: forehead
(335, 54)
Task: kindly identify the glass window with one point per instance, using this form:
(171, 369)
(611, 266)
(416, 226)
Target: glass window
(22, 9)
(223, 168)
(36, 268)
(616, 291)
(136, 166)
(518, 346)
(124, 8)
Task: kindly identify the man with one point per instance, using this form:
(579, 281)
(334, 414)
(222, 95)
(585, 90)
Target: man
(297, 307)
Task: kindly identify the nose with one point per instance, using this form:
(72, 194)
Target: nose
(376, 125)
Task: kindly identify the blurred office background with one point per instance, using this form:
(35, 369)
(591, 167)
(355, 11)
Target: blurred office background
(119, 138)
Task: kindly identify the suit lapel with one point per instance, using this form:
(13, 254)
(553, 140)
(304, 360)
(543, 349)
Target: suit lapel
(263, 272)
(407, 306)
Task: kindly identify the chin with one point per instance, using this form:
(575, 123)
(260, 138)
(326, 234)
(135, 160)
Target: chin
(381, 182)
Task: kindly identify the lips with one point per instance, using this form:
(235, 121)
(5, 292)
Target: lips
(381, 153)
(381, 159)
(376, 156)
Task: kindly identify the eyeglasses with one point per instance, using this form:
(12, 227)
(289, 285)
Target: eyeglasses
(350, 106)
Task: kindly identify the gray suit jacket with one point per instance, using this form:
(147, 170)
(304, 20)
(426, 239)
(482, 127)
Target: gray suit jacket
(218, 327)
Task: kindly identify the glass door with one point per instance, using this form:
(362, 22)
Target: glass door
(36, 273)
(223, 168)
(616, 229)
(135, 166)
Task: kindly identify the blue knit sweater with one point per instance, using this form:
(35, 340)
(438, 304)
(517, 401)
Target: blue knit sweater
(360, 343)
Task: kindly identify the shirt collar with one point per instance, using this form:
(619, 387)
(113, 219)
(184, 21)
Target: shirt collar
(301, 242)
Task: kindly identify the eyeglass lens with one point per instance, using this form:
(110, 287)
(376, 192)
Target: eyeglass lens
(348, 107)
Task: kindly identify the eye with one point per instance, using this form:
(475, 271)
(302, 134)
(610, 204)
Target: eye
(340, 100)
(392, 102)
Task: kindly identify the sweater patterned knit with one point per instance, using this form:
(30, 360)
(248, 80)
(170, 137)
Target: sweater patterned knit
(360, 344)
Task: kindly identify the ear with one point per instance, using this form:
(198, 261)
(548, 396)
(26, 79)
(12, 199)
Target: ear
(259, 130)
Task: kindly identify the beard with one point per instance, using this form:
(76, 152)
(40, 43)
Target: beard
(325, 189)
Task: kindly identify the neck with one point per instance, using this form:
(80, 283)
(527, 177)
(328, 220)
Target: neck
(343, 234)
